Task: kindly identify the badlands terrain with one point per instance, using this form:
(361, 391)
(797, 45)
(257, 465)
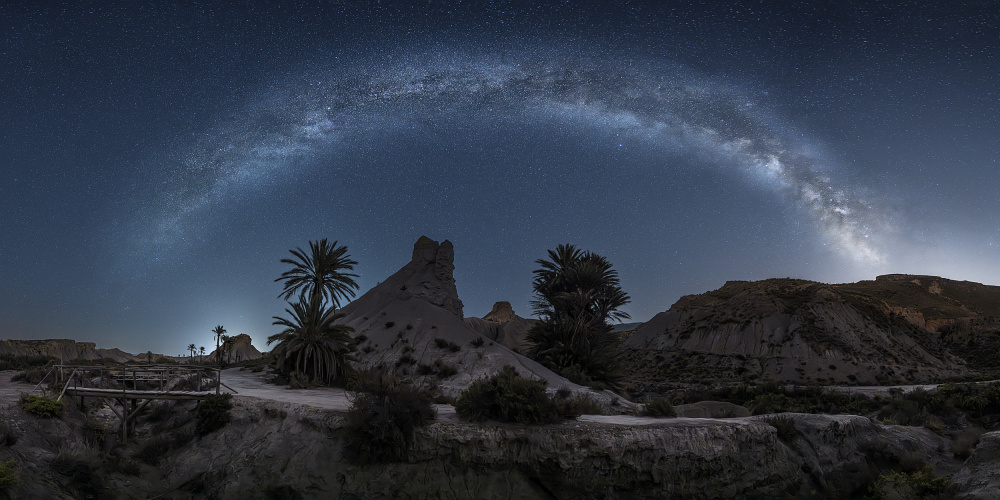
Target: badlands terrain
(738, 363)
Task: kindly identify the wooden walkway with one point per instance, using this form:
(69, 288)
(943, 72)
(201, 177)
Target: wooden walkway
(133, 394)
(112, 385)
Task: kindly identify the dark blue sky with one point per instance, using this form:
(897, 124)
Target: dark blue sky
(157, 161)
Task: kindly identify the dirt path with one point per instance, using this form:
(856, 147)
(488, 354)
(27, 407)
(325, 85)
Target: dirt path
(328, 398)
(252, 384)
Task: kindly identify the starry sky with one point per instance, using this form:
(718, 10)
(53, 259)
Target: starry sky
(159, 159)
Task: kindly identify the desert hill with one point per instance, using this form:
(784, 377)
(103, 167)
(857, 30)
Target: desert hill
(412, 322)
(504, 326)
(895, 329)
(62, 349)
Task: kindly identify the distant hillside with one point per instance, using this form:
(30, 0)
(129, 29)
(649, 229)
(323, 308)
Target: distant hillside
(62, 349)
(895, 329)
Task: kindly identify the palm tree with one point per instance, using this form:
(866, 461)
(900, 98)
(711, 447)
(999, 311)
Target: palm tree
(576, 294)
(320, 273)
(191, 350)
(311, 344)
(219, 331)
(201, 352)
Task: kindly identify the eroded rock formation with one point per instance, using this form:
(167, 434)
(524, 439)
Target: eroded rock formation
(412, 323)
(503, 326)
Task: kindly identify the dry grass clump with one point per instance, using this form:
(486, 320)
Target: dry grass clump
(659, 407)
(383, 417)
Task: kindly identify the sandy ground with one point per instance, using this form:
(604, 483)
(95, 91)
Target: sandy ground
(249, 384)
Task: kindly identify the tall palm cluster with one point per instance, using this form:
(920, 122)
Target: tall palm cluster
(577, 294)
(312, 345)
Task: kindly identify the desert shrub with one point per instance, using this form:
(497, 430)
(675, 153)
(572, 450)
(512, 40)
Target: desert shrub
(8, 437)
(444, 344)
(507, 397)
(31, 375)
(41, 405)
(12, 362)
(81, 473)
(389, 324)
(361, 338)
(212, 413)
(912, 485)
(383, 418)
(95, 433)
(8, 474)
(445, 370)
(658, 407)
(478, 342)
(123, 465)
(966, 441)
(572, 407)
(785, 427)
(405, 359)
(153, 450)
(158, 412)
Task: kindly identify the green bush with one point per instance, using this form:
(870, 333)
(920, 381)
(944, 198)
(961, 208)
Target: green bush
(508, 397)
(920, 484)
(383, 418)
(8, 474)
(213, 413)
(41, 405)
(658, 407)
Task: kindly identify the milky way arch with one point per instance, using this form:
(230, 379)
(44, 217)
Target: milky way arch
(316, 111)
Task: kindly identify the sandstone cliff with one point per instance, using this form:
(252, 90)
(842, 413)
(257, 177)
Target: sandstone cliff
(798, 331)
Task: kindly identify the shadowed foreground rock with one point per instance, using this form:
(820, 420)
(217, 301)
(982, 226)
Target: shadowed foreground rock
(275, 448)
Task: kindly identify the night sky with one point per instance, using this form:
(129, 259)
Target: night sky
(157, 161)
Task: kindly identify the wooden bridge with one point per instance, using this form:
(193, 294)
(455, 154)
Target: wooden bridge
(148, 383)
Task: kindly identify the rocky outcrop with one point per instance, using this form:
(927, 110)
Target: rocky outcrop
(412, 323)
(789, 330)
(711, 409)
(502, 312)
(291, 451)
(64, 350)
(503, 326)
(979, 477)
(242, 349)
